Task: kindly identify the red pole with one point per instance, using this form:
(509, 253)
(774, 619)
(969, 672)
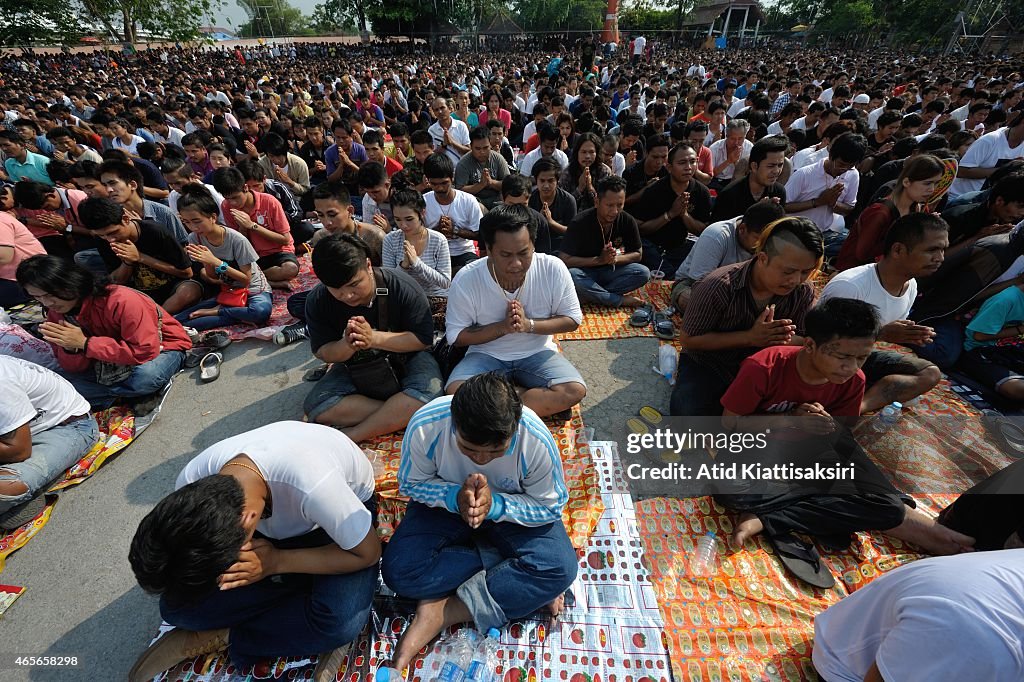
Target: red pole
(611, 23)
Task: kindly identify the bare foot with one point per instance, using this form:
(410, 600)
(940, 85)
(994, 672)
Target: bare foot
(432, 616)
(631, 302)
(284, 285)
(931, 536)
(556, 606)
(204, 312)
(747, 527)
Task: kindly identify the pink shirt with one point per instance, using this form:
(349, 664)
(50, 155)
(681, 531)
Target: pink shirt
(15, 235)
(266, 213)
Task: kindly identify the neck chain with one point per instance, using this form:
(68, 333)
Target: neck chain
(267, 507)
(504, 289)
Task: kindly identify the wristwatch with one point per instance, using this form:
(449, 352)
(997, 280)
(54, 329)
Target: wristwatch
(222, 268)
(67, 228)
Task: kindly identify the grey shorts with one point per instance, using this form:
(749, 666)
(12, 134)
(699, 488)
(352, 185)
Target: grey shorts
(422, 381)
(683, 286)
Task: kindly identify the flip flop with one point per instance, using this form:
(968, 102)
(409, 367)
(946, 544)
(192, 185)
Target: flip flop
(637, 426)
(663, 326)
(209, 367)
(802, 560)
(1008, 435)
(651, 415)
(642, 316)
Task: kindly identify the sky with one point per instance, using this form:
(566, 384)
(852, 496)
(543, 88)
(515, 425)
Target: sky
(236, 14)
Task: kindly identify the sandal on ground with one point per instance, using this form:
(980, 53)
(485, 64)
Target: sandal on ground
(637, 426)
(651, 415)
(209, 367)
(642, 316)
(802, 560)
(663, 326)
(1007, 433)
(315, 374)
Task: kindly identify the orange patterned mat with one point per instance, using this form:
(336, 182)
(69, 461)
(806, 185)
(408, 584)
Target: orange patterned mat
(750, 620)
(602, 322)
(580, 516)
(117, 430)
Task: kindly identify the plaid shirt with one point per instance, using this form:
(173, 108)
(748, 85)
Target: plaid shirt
(721, 302)
(778, 104)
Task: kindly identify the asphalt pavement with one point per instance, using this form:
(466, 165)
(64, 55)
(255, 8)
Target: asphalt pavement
(82, 599)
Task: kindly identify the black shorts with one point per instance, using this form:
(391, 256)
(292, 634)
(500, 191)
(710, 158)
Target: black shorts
(274, 260)
(166, 291)
(990, 366)
(882, 363)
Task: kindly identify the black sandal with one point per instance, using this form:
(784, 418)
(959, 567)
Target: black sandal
(802, 560)
(663, 326)
(642, 316)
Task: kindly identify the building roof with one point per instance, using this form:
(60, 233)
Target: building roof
(501, 24)
(708, 14)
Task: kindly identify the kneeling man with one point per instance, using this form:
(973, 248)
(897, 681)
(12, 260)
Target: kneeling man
(262, 551)
(482, 539)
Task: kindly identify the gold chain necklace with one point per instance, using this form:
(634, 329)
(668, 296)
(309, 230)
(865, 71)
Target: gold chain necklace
(504, 291)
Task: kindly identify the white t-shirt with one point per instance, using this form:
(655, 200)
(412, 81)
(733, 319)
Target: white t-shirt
(719, 153)
(957, 617)
(737, 107)
(988, 151)
(639, 44)
(810, 181)
(826, 95)
(458, 132)
(800, 123)
(476, 299)
(465, 213)
(33, 395)
(775, 128)
(317, 478)
(862, 283)
(526, 163)
(808, 157)
(873, 117)
(132, 147)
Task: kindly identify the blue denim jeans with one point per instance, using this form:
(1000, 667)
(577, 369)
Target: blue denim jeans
(145, 379)
(284, 615)
(53, 451)
(541, 370)
(948, 344)
(605, 285)
(257, 311)
(501, 571)
(834, 242)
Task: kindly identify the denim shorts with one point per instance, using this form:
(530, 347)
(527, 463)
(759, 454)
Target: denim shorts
(882, 363)
(53, 452)
(541, 370)
(422, 381)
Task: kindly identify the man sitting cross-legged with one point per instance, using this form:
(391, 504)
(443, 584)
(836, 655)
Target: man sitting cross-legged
(261, 551)
(507, 307)
(821, 383)
(603, 250)
(359, 315)
(914, 247)
(482, 539)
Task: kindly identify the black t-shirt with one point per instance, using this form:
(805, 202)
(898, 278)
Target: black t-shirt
(658, 199)
(584, 237)
(966, 220)
(637, 178)
(408, 311)
(151, 176)
(311, 155)
(735, 198)
(563, 210)
(156, 242)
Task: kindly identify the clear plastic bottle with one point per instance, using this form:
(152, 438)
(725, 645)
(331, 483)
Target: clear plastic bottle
(887, 417)
(457, 653)
(703, 561)
(667, 362)
(485, 660)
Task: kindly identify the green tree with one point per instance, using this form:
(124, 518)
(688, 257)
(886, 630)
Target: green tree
(22, 24)
(334, 15)
(647, 15)
(178, 20)
(278, 19)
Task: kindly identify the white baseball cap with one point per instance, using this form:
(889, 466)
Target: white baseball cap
(862, 99)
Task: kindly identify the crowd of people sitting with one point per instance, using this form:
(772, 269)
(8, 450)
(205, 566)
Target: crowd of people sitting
(457, 213)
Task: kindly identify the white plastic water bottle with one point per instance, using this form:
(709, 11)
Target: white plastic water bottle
(458, 652)
(667, 362)
(703, 561)
(485, 660)
(888, 417)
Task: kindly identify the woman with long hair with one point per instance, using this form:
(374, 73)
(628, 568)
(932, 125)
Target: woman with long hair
(492, 109)
(229, 267)
(110, 341)
(914, 186)
(584, 171)
(420, 252)
(566, 127)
